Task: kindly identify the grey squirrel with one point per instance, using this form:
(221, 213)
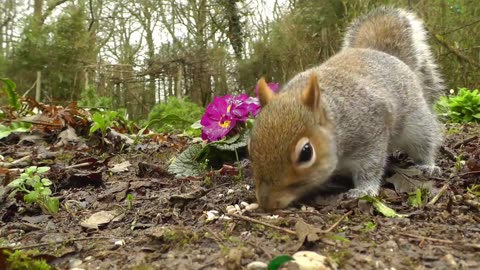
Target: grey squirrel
(345, 116)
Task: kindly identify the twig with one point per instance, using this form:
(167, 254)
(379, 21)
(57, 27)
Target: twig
(334, 225)
(61, 242)
(467, 140)
(439, 194)
(457, 52)
(420, 237)
(263, 223)
(467, 173)
(449, 153)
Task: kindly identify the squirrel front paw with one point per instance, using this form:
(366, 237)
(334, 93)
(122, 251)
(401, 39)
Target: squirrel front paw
(429, 170)
(360, 192)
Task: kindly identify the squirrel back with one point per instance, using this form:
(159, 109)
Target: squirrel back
(402, 34)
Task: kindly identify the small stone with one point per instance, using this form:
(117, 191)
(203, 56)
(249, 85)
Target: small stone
(247, 187)
(251, 206)
(450, 261)
(231, 209)
(230, 191)
(212, 215)
(221, 195)
(89, 258)
(257, 266)
(120, 242)
(309, 260)
(243, 204)
(74, 263)
(238, 207)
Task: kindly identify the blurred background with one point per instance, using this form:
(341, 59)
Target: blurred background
(137, 54)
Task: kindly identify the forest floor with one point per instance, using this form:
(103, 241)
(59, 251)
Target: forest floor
(164, 224)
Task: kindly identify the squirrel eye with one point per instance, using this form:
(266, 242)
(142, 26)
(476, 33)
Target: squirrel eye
(306, 153)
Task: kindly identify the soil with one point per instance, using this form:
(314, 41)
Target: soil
(164, 224)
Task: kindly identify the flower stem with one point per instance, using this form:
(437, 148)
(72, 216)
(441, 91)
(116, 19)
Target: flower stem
(240, 175)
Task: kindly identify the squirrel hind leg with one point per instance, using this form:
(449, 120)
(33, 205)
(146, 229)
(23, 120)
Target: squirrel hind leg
(421, 140)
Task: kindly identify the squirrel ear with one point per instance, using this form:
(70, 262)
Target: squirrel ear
(265, 94)
(311, 95)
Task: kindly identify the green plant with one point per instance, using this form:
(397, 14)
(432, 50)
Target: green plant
(13, 99)
(278, 261)
(130, 201)
(461, 108)
(185, 112)
(25, 260)
(418, 198)
(36, 188)
(369, 226)
(459, 162)
(89, 98)
(474, 190)
(102, 121)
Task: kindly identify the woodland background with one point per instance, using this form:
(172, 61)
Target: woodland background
(133, 54)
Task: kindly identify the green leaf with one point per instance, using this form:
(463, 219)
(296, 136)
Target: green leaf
(477, 115)
(31, 197)
(13, 98)
(30, 170)
(278, 261)
(415, 198)
(46, 191)
(46, 182)
(42, 170)
(381, 207)
(234, 143)
(185, 164)
(52, 205)
(16, 183)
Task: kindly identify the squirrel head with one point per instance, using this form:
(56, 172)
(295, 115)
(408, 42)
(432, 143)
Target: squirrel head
(291, 145)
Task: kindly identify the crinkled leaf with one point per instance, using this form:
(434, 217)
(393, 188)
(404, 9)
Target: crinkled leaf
(278, 261)
(185, 164)
(409, 180)
(231, 144)
(381, 207)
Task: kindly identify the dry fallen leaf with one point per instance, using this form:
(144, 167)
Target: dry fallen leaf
(97, 219)
(409, 180)
(120, 167)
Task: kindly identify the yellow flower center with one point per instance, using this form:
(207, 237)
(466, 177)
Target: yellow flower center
(225, 124)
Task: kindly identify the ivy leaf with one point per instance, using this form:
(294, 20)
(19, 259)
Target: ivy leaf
(278, 261)
(381, 207)
(185, 164)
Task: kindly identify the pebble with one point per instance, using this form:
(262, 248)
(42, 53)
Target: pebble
(120, 242)
(74, 263)
(231, 209)
(251, 206)
(309, 260)
(238, 207)
(212, 215)
(243, 204)
(230, 191)
(247, 187)
(257, 266)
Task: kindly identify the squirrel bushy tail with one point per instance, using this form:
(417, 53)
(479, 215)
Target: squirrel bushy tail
(400, 33)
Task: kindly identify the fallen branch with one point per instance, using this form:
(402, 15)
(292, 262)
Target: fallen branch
(439, 194)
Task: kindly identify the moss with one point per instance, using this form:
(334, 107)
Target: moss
(25, 260)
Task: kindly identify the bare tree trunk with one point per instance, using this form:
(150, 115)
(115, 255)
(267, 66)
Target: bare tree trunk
(38, 93)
